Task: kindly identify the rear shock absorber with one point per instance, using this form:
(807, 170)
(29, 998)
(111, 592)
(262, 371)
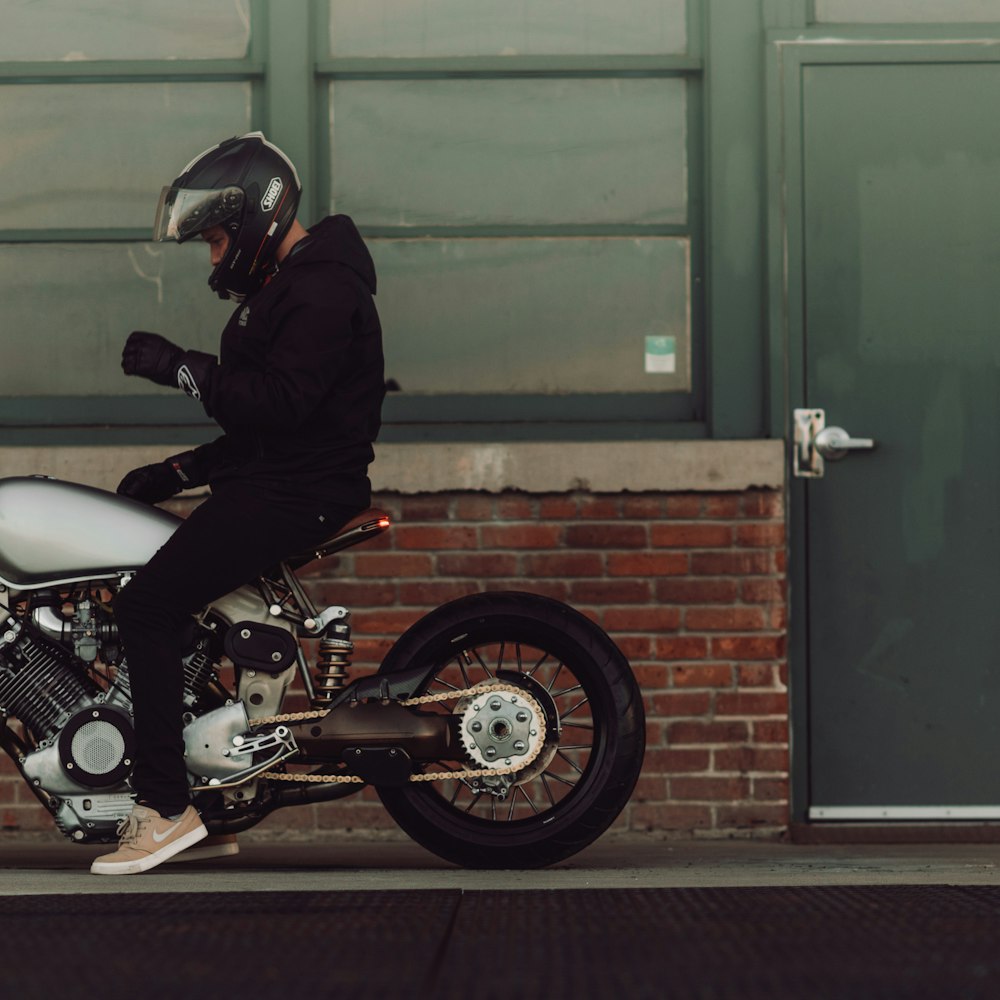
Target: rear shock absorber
(333, 663)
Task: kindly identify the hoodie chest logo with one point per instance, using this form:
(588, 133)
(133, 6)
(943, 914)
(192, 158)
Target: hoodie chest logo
(244, 316)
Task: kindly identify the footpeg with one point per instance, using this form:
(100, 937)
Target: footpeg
(258, 742)
(279, 744)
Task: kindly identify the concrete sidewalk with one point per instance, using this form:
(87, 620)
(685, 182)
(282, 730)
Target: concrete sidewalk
(616, 862)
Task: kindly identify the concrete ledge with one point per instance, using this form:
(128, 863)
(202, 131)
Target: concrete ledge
(594, 467)
(535, 467)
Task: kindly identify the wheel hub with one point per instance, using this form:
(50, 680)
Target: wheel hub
(496, 728)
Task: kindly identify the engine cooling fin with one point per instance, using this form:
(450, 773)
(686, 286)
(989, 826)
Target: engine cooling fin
(40, 682)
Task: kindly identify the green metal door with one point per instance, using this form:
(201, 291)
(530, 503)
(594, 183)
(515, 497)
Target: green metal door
(899, 176)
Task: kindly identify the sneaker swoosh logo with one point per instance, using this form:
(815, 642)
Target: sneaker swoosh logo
(160, 837)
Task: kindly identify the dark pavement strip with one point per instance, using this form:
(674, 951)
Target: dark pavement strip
(749, 942)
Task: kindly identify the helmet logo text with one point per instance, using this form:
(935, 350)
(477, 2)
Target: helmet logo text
(271, 194)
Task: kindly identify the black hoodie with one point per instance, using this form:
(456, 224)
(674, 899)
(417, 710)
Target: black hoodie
(299, 383)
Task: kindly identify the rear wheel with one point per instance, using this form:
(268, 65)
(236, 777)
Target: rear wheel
(595, 732)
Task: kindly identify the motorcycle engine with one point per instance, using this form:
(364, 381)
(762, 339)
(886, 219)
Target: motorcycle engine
(62, 676)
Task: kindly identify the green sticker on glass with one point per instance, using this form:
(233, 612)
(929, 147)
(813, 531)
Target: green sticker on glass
(661, 355)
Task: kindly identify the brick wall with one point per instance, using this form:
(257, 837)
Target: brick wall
(691, 586)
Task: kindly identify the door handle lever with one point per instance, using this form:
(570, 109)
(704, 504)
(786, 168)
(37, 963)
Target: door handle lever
(815, 442)
(835, 442)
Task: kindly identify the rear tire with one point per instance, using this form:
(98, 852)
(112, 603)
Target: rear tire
(587, 778)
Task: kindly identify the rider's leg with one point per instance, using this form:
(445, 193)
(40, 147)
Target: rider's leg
(226, 542)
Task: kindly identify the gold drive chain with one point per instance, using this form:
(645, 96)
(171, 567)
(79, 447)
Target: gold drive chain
(427, 699)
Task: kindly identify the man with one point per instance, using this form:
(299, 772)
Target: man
(297, 388)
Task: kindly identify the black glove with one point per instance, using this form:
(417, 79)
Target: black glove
(160, 481)
(151, 356)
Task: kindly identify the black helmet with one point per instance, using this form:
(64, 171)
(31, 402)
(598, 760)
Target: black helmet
(251, 189)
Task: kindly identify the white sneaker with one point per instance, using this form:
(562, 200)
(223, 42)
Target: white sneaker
(148, 839)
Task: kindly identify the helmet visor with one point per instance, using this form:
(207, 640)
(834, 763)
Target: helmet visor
(184, 212)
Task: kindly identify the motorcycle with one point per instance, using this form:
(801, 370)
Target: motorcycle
(502, 730)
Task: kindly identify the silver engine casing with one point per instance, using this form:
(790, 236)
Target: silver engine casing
(91, 814)
(85, 813)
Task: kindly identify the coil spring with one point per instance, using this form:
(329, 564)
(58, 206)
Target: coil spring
(332, 665)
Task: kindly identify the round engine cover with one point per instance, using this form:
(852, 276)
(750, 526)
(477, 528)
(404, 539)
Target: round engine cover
(97, 747)
(55, 532)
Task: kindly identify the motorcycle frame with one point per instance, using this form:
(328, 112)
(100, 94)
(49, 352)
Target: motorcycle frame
(334, 622)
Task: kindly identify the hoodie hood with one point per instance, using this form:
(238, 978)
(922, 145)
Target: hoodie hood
(336, 240)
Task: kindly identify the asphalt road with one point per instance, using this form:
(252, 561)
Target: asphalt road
(625, 918)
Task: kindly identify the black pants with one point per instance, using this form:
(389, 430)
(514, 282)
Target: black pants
(226, 542)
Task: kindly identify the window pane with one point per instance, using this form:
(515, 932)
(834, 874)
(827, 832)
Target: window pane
(514, 315)
(506, 27)
(906, 11)
(97, 154)
(125, 29)
(509, 151)
(535, 315)
(66, 309)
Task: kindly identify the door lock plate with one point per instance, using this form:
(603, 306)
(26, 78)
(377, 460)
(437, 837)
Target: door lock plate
(807, 462)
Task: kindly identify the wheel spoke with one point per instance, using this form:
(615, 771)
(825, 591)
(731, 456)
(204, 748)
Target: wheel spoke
(554, 676)
(472, 805)
(531, 672)
(576, 746)
(572, 763)
(482, 664)
(493, 807)
(439, 680)
(527, 798)
(461, 666)
(570, 711)
(548, 791)
(579, 725)
(500, 657)
(513, 806)
(559, 777)
(570, 690)
(520, 665)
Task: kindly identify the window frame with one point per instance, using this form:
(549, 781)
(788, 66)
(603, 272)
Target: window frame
(289, 70)
(516, 416)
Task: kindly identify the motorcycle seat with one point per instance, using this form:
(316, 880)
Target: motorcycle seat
(367, 524)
